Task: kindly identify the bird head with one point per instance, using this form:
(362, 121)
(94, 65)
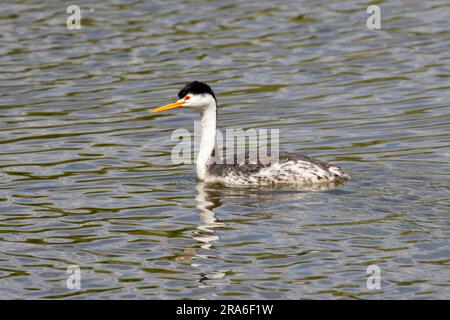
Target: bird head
(195, 95)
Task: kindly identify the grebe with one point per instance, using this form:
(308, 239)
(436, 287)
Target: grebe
(291, 169)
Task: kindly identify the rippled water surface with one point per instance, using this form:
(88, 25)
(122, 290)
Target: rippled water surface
(86, 176)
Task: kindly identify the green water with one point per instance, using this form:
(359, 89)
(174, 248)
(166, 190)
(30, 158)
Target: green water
(86, 177)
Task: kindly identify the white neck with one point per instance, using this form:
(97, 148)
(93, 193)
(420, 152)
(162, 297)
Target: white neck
(208, 138)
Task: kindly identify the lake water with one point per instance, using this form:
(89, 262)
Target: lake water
(86, 176)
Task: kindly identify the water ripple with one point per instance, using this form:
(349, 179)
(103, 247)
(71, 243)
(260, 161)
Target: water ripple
(85, 171)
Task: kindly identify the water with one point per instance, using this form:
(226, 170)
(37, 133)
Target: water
(86, 177)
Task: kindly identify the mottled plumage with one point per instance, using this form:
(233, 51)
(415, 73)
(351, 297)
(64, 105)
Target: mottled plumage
(291, 169)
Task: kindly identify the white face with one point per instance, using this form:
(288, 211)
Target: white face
(198, 102)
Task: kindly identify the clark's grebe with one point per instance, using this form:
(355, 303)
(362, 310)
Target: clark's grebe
(291, 169)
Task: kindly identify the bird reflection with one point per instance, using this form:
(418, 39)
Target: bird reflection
(207, 202)
(209, 198)
(205, 233)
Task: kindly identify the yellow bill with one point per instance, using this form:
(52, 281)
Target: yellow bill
(170, 106)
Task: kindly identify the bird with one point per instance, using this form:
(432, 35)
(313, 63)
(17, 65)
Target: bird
(290, 169)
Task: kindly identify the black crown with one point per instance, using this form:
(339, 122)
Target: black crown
(196, 87)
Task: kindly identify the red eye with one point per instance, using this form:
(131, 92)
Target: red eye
(187, 98)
